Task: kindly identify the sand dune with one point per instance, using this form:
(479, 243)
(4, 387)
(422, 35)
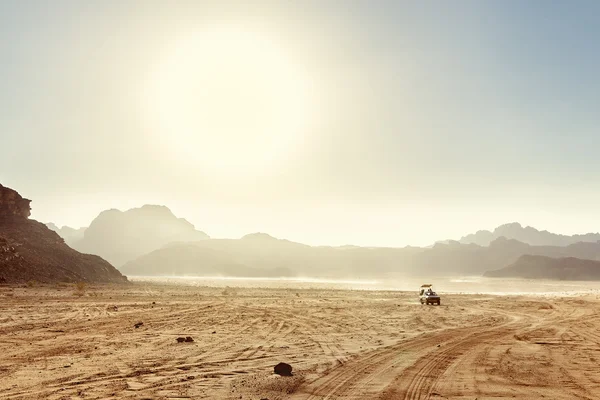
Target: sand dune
(342, 344)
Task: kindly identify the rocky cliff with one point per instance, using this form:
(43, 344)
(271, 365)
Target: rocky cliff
(29, 251)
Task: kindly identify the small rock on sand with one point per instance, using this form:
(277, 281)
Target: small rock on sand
(283, 369)
(138, 325)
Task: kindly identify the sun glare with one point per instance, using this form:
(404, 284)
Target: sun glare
(231, 101)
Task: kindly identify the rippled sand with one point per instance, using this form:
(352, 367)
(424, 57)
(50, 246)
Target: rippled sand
(352, 344)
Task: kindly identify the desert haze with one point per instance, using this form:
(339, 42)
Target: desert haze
(269, 200)
(74, 326)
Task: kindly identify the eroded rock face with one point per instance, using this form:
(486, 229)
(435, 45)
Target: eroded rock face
(11, 203)
(29, 251)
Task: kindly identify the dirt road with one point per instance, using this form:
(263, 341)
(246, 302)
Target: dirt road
(55, 344)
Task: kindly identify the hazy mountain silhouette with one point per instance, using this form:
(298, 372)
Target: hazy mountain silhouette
(262, 255)
(542, 267)
(151, 241)
(29, 251)
(120, 236)
(70, 235)
(457, 258)
(527, 235)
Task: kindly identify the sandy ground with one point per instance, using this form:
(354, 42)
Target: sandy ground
(55, 344)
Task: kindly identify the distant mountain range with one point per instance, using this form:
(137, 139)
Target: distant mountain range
(542, 267)
(70, 235)
(262, 255)
(151, 241)
(457, 258)
(527, 235)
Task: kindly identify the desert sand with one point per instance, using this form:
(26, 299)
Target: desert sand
(58, 343)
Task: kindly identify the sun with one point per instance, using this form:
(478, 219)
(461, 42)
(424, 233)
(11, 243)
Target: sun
(231, 101)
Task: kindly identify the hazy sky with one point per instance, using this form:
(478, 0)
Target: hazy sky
(370, 123)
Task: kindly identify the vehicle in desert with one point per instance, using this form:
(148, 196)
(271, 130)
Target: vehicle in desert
(428, 296)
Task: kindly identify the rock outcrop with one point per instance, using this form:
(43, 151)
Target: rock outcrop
(12, 204)
(29, 251)
(121, 236)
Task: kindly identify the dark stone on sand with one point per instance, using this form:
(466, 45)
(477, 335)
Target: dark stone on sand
(180, 339)
(138, 325)
(283, 369)
(189, 339)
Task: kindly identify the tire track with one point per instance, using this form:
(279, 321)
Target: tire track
(374, 371)
(424, 374)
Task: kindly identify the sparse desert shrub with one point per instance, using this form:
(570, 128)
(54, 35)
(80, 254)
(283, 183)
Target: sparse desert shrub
(80, 288)
(228, 291)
